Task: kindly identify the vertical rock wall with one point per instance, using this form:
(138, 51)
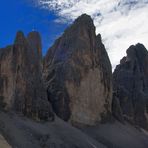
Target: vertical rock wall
(78, 74)
(21, 83)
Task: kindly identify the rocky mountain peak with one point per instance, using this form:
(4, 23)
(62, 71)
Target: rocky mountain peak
(78, 61)
(21, 84)
(131, 86)
(82, 22)
(20, 38)
(85, 20)
(34, 40)
(138, 52)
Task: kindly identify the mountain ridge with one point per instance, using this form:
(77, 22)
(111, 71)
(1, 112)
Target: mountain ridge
(70, 98)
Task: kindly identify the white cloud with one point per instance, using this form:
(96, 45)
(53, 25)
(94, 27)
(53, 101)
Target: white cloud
(120, 22)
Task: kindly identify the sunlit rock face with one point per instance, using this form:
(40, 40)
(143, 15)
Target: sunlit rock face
(21, 83)
(78, 74)
(131, 86)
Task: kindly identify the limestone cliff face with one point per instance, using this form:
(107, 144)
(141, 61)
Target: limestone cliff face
(131, 86)
(77, 72)
(21, 84)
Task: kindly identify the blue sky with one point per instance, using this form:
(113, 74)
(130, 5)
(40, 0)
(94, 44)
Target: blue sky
(120, 22)
(23, 15)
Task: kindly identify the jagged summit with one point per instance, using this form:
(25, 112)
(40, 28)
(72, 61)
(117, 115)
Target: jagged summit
(131, 86)
(137, 51)
(20, 38)
(22, 87)
(81, 30)
(34, 40)
(84, 19)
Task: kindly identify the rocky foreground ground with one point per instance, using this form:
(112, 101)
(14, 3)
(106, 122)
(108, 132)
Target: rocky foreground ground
(21, 132)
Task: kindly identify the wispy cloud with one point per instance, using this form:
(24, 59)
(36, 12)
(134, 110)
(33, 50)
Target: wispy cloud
(121, 22)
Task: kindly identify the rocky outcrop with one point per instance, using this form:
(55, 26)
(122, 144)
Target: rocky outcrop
(130, 80)
(78, 74)
(21, 83)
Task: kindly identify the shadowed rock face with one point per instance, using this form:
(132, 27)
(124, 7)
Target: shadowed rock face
(131, 86)
(77, 72)
(21, 83)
